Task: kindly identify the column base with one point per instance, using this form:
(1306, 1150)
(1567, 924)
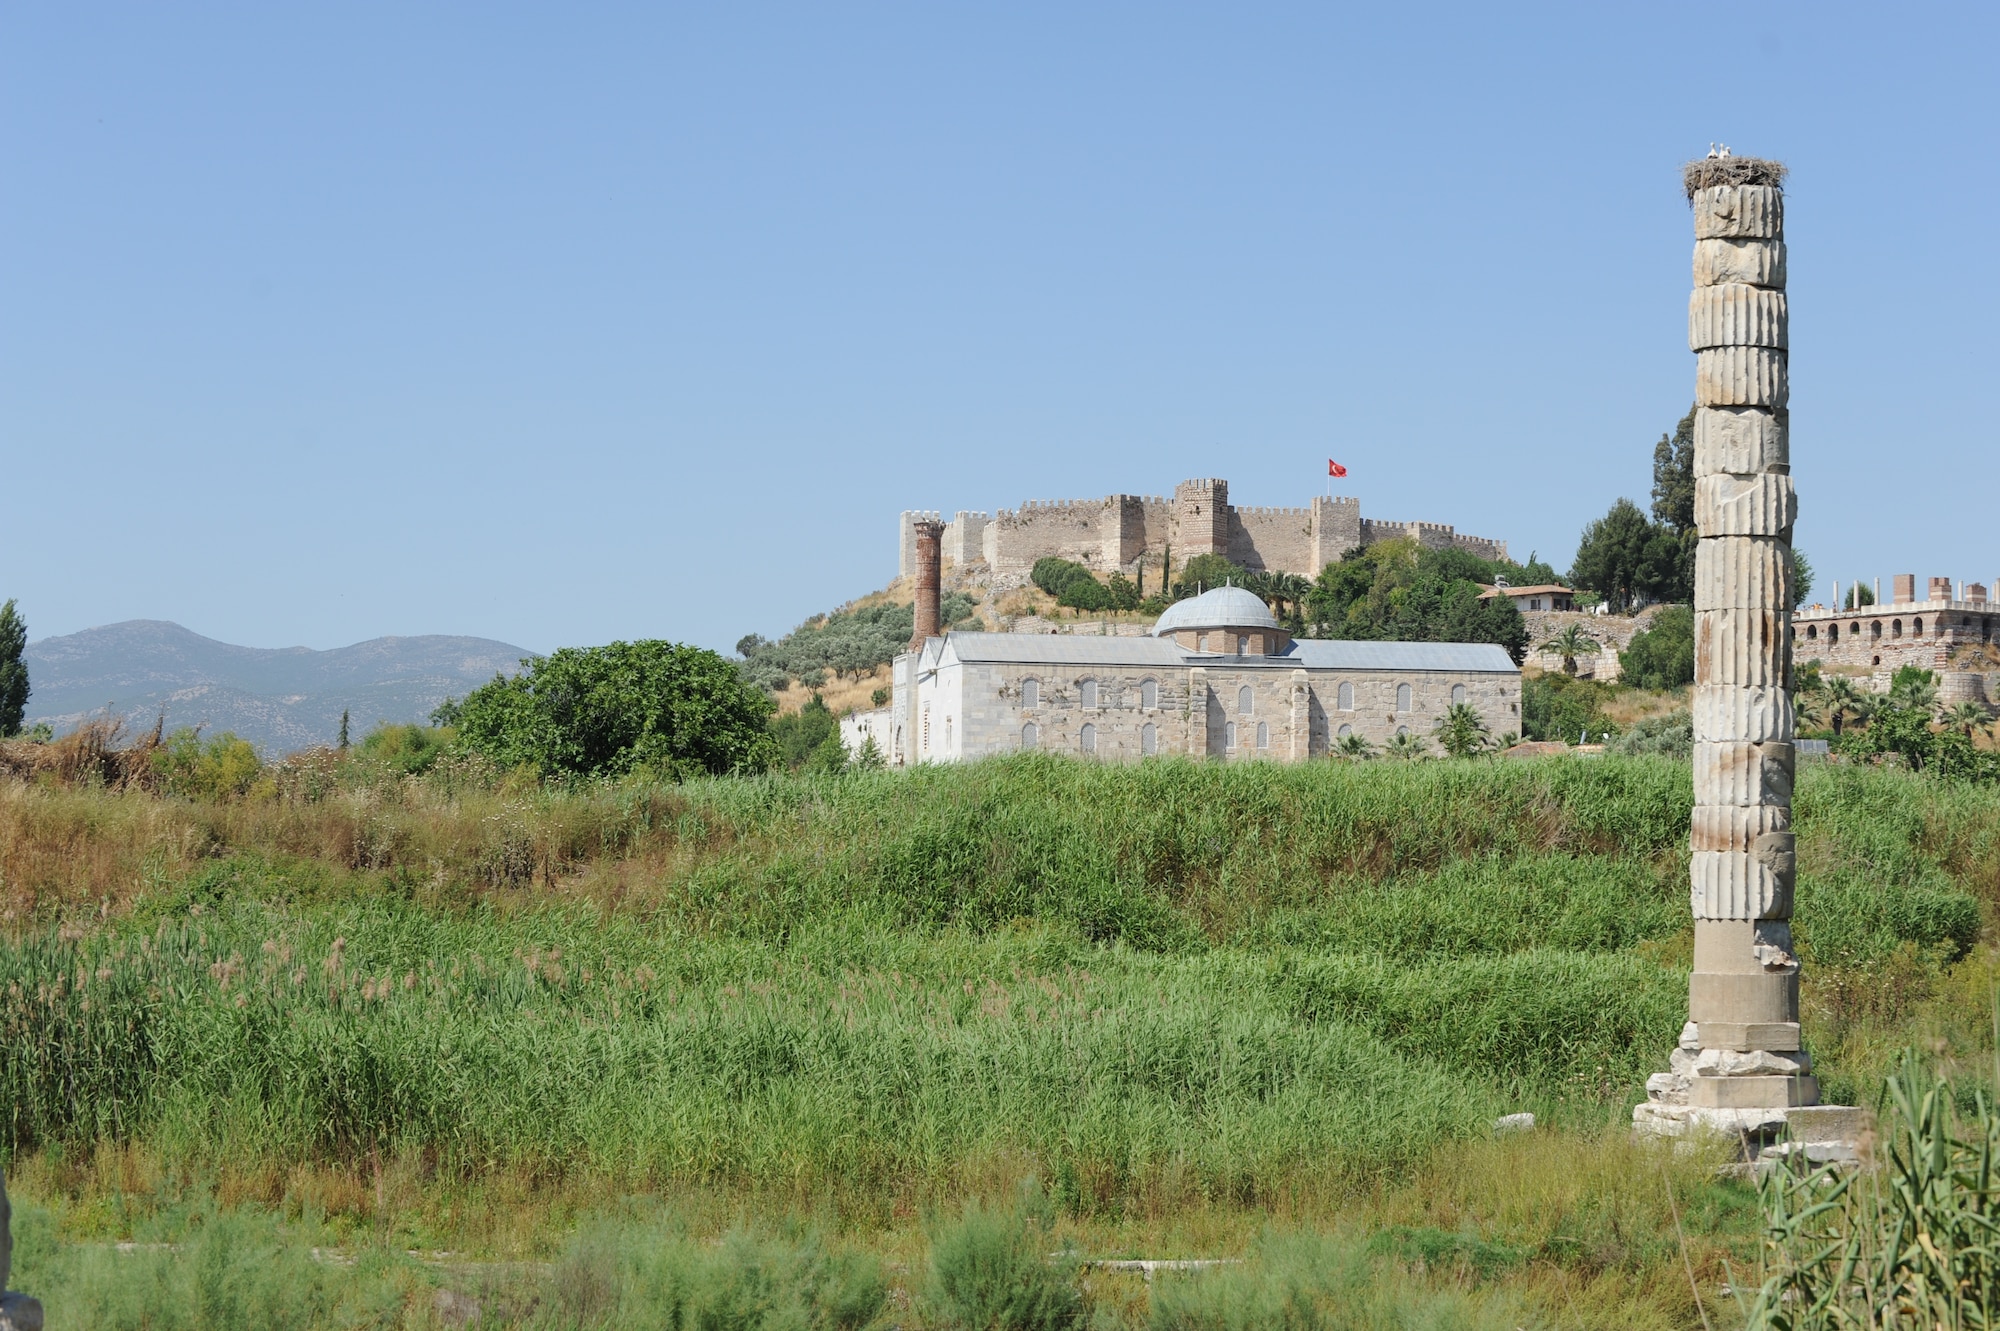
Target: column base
(1823, 1134)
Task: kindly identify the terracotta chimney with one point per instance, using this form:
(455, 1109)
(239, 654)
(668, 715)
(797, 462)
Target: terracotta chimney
(930, 567)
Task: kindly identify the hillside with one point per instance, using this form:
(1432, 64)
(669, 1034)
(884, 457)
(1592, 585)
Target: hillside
(280, 699)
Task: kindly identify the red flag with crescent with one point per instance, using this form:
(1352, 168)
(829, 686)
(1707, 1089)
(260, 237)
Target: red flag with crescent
(1334, 468)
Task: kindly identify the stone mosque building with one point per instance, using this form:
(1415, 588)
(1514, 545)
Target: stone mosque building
(1218, 677)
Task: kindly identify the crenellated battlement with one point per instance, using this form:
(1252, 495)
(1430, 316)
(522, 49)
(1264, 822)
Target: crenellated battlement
(1129, 533)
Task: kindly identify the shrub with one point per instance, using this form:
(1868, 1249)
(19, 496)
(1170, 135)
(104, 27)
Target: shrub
(1053, 574)
(990, 1271)
(408, 749)
(222, 767)
(1669, 736)
(663, 707)
(1662, 656)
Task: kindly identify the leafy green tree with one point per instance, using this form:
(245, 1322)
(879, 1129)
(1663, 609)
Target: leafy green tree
(663, 707)
(1967, 717)
(1802, 577)
(1858, 596)
(341, 741)
(1571, 643)
(220, 768)
(1461, 731)
(409, 749)
(1204, 573)
(1625, 559)
(1397, 591)
(1562, 707)
(1673, 477)
(809, 739)
(13, 670)
(1661, 656)
(870, 758)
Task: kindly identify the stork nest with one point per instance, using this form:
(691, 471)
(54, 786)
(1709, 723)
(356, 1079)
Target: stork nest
(1707, 172)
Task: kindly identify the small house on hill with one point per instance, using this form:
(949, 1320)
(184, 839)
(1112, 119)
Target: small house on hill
(1542, 596)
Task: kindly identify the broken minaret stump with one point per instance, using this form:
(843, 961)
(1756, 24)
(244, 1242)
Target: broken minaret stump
(1740, 1068)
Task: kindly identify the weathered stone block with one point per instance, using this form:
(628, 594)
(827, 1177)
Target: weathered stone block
(1741, 377)
(1742, 573)
(1736, 315)
(1751, 999)
(1727, 712)
(1749, 1063)
(1748, 1092)
(1761, 263)
(1743, 947)
(1761, 505)
(18, 1312)
(1744, 885)
(1829, 1123)
(1779, 1036)
(1743, 774)
(1747, 211)
(1741, 440)
(1736, 827)
(1738, 646)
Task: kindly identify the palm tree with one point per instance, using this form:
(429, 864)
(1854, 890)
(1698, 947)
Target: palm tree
(1967, 716)
(1839, 697)
(1918, 694)
(1353, 747)
(1408, 745)
(1571, 643)
(1810, 707)
(1461, 731)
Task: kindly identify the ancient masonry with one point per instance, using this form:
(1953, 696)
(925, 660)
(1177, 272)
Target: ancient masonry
(1121, 533)
(1950, 631)
(1740, 1067)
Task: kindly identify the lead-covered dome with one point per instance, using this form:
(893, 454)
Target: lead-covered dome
(1222, 608)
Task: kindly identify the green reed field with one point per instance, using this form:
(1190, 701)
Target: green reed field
(1195, 1010)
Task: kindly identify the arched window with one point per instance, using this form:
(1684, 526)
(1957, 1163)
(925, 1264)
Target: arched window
(1086, 693)
(947, 734)
(1402, 730)
(1895, 628)
(1402, 697)
(1263, 734)
(1149, 695)
(1875, 629)
(1149, 739)
(1343, 732)
(1854, 629)
(1916, 628)
(1812, 633)
(1229, 735)
(1031, 695)
(1457, 694)
(1242, 644)
(1833, 633)
(1087, 737)
(1246, 701)
(1346, 697)
(1028, 734)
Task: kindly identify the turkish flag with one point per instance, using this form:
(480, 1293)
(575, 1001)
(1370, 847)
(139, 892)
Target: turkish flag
(1334, 468)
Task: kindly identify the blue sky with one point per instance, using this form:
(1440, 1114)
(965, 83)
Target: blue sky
(561, 324)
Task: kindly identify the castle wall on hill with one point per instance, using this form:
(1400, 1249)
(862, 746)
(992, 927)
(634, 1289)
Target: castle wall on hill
(1120, 533)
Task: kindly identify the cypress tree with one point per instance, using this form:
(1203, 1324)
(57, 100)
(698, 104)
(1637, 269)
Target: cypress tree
(13, 670)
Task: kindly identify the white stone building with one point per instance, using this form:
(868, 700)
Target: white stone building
(1218, 678)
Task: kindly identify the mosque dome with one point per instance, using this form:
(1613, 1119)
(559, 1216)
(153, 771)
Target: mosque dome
(1222, 608)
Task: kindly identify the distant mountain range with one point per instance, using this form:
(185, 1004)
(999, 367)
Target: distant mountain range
(280, 699)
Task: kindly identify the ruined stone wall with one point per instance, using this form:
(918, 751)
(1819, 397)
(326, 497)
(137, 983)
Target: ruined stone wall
(1431, 536)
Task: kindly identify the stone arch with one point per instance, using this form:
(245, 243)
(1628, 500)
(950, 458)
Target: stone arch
(1087, 738)
(1812, 633)
(1149, 738)
(1246, 700)
(1343, 732)
(1833, 633)
(1875, 630)
(1895, 628)
(1229, 734)
(1345, 700)
(1916, 628)
(1403, 697)
(1458, 695)
(1030, 735)
(1263, 734)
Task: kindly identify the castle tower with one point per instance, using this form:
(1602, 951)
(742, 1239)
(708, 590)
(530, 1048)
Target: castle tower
(1201, 519)
(1740, 1066)
(929, 568)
